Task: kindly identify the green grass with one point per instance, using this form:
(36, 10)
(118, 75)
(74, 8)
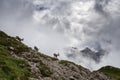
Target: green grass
(12, 68)
(7, 41)
(15, 69)
(66, 63)
(112, 72)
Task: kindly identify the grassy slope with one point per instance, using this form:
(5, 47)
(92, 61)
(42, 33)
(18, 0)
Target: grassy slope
(16, 69)
(12, 68)
(113, 72)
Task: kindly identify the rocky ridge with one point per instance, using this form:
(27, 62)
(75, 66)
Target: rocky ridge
(20, 62)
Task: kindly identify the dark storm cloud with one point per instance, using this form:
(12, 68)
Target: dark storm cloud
(100, 5)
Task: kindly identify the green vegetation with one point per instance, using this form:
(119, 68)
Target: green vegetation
(45, 71)
(113, 72)
(8, 41)
(11, 68)
(66, 63)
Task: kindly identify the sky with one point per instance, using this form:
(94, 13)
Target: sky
(64, 25)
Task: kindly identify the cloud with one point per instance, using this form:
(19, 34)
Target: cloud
(87, 57)
(53, 25)
(85, 23)
(17, 18)
(100, 5)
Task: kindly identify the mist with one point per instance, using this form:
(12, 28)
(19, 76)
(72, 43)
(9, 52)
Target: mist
(58, 25)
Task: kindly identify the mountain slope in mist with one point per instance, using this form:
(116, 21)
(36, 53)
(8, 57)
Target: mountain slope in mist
(20, 62)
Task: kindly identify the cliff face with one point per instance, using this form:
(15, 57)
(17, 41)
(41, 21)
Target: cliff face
(20, 62)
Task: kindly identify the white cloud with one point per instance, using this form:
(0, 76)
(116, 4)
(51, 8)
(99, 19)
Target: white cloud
(53, 25)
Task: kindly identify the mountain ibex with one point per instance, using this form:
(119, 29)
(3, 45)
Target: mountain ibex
(35, 48)
(19, 39)
(56, 55)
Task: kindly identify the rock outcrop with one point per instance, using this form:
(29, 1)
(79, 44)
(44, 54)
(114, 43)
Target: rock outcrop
(19, 62)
